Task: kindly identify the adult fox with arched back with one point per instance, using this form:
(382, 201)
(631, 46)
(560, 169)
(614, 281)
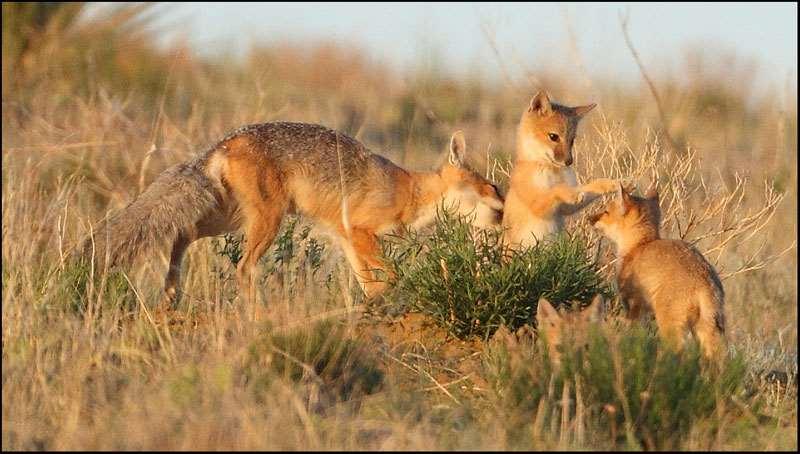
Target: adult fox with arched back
(259, 173)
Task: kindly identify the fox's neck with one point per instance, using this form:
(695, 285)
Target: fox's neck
(635, 238)
(427, 189)
(529, 149)
(542, 174)
(535, 165)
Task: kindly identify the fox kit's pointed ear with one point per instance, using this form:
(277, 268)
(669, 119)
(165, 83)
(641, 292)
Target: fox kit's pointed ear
(583, 110)
(541, 104)
(623, 198)
(546, 313)
(594, 311)
(458, 149)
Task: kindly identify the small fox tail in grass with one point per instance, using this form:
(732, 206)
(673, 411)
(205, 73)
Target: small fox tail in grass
(173, 203)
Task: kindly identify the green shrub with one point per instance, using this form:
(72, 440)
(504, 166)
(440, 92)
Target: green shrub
(632, 389)
(75, 286)
(293, 255)
(471, 284)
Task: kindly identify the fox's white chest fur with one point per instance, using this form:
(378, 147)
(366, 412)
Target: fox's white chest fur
(547, 178)
(530, 232)
(527, 229)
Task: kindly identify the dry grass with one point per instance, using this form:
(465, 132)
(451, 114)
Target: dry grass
(108, 369)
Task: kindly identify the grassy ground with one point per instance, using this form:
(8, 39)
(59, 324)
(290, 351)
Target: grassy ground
(92, 112)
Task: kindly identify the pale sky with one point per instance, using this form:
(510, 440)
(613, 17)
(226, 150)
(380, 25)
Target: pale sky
(526, 35)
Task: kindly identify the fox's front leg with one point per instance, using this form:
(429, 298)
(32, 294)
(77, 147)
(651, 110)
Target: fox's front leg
(600, 186)
(262, 228)
(363, 252)
(589, 192)
(543, 204)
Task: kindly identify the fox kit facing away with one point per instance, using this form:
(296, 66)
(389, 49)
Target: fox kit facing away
(259, 173)
(543, 186)
(568, 329)
(668, 277)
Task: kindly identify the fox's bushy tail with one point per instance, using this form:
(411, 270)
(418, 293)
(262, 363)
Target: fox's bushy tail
(180, 197)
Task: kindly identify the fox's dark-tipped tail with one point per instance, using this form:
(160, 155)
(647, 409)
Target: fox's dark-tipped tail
(172, 205)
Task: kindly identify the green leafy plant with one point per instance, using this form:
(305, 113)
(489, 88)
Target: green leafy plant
(77, 283)
(471, 284)
(292, 251)
(630, 388)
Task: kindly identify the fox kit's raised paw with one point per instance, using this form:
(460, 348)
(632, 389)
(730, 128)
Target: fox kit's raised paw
(568, 195)
(578, 197)
(601, 186)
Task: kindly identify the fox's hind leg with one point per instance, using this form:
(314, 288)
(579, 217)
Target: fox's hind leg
(262, 227)
(710, 333)
(261, 197)
(173, 278)
(672, 330)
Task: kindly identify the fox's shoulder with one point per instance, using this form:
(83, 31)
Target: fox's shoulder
(674, 248)
(676, 257)
(667, 251)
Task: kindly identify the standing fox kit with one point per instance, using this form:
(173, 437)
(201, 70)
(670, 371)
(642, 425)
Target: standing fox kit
(543, 186)
(669, 278)
(256, 175)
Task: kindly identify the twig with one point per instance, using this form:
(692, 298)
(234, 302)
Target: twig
(145, 164)
(489, 34)
(576, 55)
(623, 20)
(427, 375)
(159, 338)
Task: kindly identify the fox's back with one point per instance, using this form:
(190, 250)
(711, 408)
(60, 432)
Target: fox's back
(302, 148)
(670, 270)
(315, 168)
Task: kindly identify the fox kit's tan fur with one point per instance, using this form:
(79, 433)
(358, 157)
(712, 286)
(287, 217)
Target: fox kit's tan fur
(259, 173)
(543, 186)
(668, 277)
(566, 330)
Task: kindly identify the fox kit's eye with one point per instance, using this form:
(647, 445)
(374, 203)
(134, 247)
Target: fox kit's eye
(553, 136)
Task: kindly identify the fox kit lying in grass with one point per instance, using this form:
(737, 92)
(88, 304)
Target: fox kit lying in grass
(259, 173)
(668, 277)
(570, 329)
(543, 186)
